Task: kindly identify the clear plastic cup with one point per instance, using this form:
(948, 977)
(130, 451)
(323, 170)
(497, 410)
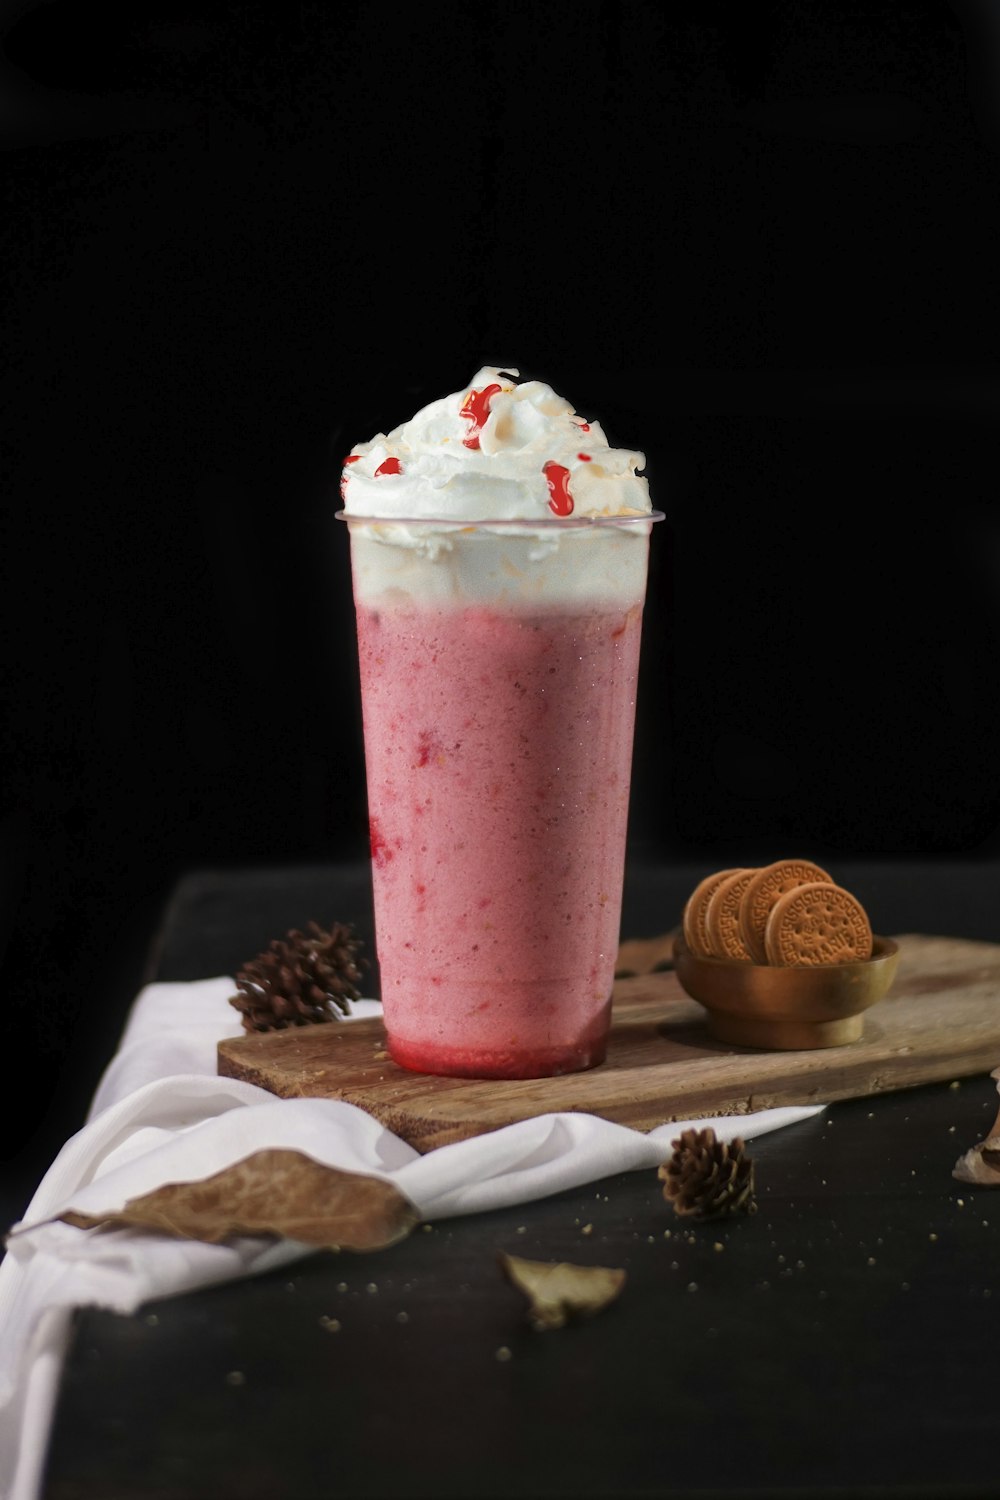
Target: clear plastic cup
(498, 676)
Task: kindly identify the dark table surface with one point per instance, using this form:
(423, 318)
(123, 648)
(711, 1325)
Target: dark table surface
(840, 1341)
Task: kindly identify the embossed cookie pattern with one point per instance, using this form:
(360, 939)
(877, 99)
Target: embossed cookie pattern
(696, 911)
(814, 924)
(722, 917)
(763, 891)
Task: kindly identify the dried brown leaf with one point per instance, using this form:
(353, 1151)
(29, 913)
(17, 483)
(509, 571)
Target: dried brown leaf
(981, 1165)
(996, 1124)
(557, 1290)
(276, 1193)
(646, 955)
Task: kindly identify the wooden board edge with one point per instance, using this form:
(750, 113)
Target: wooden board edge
(427, 1135)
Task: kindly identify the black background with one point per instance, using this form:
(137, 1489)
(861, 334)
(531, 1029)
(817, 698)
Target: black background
(758, 241)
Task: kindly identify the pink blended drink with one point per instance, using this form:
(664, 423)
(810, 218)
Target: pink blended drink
(498, 666)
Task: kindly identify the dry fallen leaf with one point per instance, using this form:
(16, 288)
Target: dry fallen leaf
(559, 1290)
(272, 1192)
(646, 955)
(981, 1165)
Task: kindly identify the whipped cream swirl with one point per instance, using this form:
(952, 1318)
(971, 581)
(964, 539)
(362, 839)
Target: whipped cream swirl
(497, 450)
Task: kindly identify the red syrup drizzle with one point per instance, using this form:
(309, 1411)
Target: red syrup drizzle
(475, 409)
(584, 458)
(391, 466)
(351, 458)
(557, 479)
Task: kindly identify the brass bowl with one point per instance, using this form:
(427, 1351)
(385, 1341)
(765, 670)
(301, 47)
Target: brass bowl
(787, 1009)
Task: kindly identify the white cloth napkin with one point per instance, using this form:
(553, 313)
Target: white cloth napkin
(161, 1115)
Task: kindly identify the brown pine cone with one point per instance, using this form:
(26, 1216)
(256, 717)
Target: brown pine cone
(707, 1178)
(301, 980)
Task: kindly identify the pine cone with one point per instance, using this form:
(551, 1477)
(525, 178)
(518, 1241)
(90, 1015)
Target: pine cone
(301, 980)
(707, 1178)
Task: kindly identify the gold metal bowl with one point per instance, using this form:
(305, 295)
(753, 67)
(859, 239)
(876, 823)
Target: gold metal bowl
(787, 1009)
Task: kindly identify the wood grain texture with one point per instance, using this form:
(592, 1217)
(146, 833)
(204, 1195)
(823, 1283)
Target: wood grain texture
(940, 1021)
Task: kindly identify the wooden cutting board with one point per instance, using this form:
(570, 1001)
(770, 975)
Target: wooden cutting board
(941, 1020)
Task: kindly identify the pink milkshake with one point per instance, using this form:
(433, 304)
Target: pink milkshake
(498, 669)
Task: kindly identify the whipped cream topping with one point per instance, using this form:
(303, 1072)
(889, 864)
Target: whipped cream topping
(497, 450)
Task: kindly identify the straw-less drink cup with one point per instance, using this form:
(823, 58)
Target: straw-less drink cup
(498, 669)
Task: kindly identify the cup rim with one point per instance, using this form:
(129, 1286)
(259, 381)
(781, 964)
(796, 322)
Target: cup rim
(505, 523)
